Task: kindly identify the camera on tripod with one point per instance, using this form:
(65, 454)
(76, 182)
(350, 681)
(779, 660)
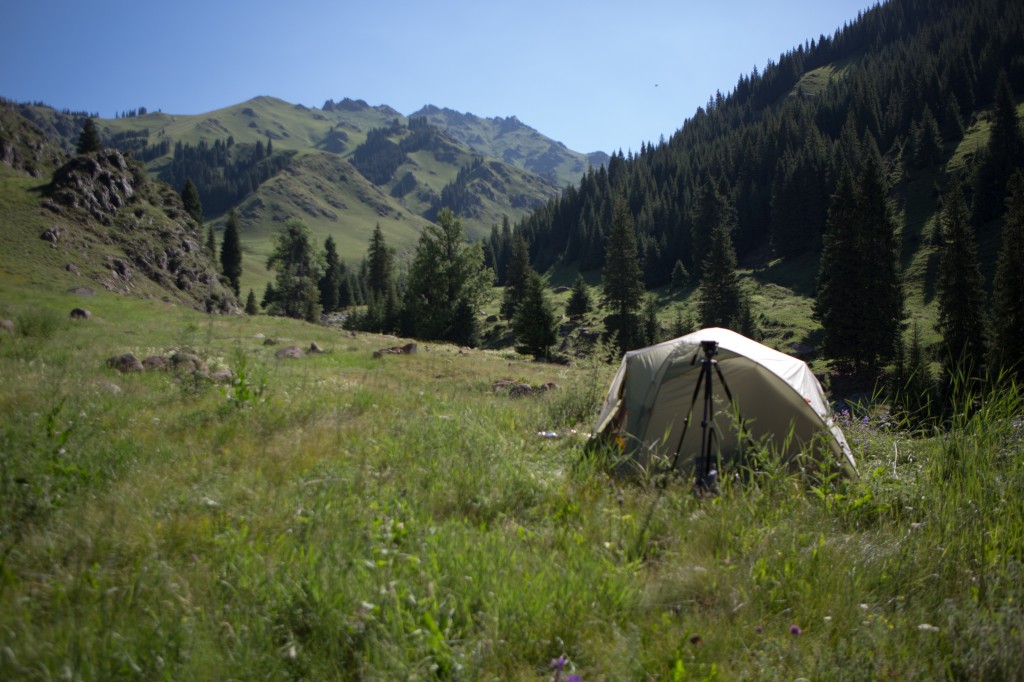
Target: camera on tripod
(709, 347)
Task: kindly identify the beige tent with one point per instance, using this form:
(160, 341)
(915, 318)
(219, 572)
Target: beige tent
(658, 399)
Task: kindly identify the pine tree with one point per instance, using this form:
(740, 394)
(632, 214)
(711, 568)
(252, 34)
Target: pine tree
(838, 306)
(89, 139)
(294, 262)
(517, 272)
(621, 279)
(447, 281)
(880, 291)
(721, 301)
(330, 282)
(379, 263)
(190, 200)
(383, 310)
(251, 307)
(1003, 154)
(680, 276)
(534, 320)
(650, 329)
(911, 386)
(211, 244)
(231, 252)
(579, 303)
(960, 292)
(1008, 283)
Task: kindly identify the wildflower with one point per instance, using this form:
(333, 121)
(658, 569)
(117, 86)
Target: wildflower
(696, 640)
(795, 630)
(558, 663)
(759, 630)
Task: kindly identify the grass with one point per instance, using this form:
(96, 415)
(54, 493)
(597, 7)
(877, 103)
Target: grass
(345, 517)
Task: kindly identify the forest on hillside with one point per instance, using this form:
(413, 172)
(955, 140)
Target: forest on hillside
(902, 82)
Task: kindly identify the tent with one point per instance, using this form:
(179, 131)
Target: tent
(657, 402)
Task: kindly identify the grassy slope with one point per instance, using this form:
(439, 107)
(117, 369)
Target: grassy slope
(398, 518)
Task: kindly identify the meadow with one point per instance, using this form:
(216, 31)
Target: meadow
(346, 517)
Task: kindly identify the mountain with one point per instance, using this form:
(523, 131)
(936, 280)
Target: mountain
(341, 169)
(514, 142)
(910, 84)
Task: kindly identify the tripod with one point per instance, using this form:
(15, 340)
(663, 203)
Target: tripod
(706, 472)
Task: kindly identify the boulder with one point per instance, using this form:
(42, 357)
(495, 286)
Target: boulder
(156, 363)
(187, 362)
(125, 363)
(7, 325)
(290, 353)
(407, 349)
(80, 314)
(223, 376)
(314, 348)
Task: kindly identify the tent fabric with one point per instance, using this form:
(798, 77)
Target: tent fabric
(777, 398)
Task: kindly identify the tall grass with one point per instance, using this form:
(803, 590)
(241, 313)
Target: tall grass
(341, 517)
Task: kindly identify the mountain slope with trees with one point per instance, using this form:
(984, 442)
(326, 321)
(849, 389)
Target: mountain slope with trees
(922, 92)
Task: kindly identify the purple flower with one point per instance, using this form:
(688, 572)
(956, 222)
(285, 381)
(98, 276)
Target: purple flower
(759, 630)
(574, 678)
(558, 663)
(795, 630)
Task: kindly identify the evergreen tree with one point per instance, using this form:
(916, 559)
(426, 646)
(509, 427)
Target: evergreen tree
(880, 285)
(534, 320)
(911, 386)
(713, 209)
(838, 304)
(960, 291)
(447, 281)
(330, 282)
(231, 252)
(517, 272)
(383, 308)
(650, 329)
(621, 278)
(680, 276)
(211, 244)
(251, 307)
(380, 264)
(721, 301)
(295, 293)
(1008, 283)
(89, 138)
(579, 303)
(190, 200)
(269, 296)
(1003, 155)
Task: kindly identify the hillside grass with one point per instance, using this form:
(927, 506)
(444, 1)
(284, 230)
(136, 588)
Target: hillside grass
(347, 517)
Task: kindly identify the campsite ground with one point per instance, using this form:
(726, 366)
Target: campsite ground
(340, 516)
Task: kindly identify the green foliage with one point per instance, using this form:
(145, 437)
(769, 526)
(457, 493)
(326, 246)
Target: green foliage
(251, 307)
(231, 252)
(89, 139)
(961, 292)
(190, 200)
(579, 303)
(622, 286)
(1002, 156)
(859, 301)
(517, 275)
(1008, 283)
(447, 281)
(721, 299)
(534, 320)
(295, 293)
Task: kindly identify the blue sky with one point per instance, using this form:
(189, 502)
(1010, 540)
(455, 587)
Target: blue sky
(597, 75)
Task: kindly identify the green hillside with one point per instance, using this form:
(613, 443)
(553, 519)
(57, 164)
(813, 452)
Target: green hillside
(318, 184)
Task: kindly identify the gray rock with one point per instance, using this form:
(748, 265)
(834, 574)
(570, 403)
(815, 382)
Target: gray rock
(125, 363)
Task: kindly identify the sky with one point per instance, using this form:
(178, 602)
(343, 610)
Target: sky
(596, 75)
